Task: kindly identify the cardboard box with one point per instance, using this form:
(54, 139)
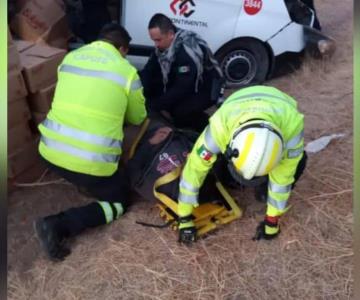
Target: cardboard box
(43, 20)
(38, 117)
(40, 66)
(13, 58)
(24, 158)
(18, 112)
(30, 175)
(41, 101)
(58, 37)
(16, 86)
(20, 4)
(19, 136)
(22, 45)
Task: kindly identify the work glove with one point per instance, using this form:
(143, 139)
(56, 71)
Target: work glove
(267, 229)
(187, 230)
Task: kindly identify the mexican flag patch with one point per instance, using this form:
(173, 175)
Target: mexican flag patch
(184, 69)
(204, 153)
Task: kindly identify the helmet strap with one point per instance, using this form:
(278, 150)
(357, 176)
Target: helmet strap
(245, 182)
(230, 153)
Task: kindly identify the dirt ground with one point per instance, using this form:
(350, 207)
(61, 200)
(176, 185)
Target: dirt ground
(311, 259)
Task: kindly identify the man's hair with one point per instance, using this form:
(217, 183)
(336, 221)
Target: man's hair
(116, 35)
(162, 22)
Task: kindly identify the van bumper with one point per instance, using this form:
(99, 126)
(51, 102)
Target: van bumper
(318, 43)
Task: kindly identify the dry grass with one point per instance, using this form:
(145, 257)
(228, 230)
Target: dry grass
(311, 259)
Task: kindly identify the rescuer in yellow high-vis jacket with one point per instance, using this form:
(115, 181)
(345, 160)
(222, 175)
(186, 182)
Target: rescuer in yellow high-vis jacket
(259, 130)
(98, 91)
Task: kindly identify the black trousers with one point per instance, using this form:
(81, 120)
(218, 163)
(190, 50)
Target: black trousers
(189, 113)
(262, 190)
(112, 189)
(225, 177)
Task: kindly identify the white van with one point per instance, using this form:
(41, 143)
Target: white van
(246, 36)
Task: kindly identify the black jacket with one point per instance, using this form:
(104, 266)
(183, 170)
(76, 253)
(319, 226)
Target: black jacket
(180, 85)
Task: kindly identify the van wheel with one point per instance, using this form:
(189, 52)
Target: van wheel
(243, 62)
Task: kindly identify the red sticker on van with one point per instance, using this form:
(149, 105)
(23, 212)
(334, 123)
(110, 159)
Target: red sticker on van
(252, 7)
(182, 7)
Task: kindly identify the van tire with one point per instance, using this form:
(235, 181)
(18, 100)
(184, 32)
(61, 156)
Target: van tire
(251, 55)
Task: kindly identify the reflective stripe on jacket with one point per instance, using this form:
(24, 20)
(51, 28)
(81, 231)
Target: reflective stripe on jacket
(97, 91)
(257, 102)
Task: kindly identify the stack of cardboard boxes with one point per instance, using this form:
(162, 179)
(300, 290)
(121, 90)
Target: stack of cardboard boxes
(42, 22)
(39, 65)
(32, 75)
(22, 142)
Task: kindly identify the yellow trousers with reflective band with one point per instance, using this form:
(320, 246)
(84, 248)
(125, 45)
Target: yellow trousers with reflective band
(184, 210)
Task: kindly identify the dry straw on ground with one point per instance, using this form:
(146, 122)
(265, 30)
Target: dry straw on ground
(311, 259)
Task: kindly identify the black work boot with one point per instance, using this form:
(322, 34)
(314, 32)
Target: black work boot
(51, 238)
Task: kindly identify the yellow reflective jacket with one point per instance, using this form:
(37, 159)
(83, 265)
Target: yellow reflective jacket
(97, 91)
(257, 102)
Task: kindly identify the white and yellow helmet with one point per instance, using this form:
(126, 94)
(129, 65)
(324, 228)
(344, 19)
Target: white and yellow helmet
(255, 149)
